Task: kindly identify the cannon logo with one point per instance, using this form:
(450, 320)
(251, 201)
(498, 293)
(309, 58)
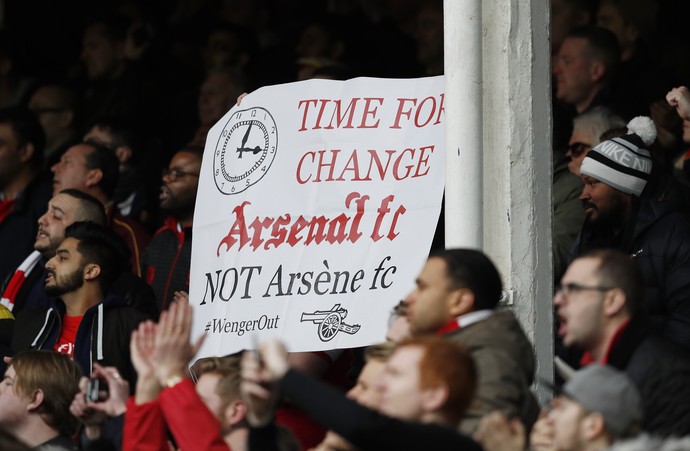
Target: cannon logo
(330, 322)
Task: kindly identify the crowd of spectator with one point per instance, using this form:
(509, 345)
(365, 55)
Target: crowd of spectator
(103, 119)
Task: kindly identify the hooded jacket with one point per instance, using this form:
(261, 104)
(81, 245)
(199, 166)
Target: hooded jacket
(103, 335)
(658, 237)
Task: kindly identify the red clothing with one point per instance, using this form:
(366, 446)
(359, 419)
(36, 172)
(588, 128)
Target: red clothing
(307, 431)
(6, 207)
(68, 335)
(182, 411)
(588, 358)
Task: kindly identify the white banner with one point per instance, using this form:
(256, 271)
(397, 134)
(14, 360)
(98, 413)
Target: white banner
(316, 208)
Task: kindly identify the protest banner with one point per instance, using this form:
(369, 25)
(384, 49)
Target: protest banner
(316, 209)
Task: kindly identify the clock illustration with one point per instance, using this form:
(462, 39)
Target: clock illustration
(245, 150)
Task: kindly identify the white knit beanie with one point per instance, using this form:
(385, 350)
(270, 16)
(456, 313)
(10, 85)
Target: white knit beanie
(623, 163)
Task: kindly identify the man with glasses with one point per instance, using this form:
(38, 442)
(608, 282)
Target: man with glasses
(167, 258)
(601, 307)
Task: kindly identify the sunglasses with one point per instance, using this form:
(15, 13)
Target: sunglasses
(577, 149)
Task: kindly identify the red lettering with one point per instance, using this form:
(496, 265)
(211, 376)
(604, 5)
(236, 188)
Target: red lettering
(340, 118)
(296, 228)
(351, 165)
(419, 109)
(370, 111)
(441, 109)
(279, 230)
(374, 158)
(306, 111)
(382, 210)
(330, 165)
(238, 228)
(400, 211)
(400, 113)
(354, 233)
(423, 160)
(396, 165)
(300, 180)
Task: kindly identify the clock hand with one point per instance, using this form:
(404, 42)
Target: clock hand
(254, 151)
(246, 135)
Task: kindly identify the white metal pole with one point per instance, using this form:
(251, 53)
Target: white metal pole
(463, 74)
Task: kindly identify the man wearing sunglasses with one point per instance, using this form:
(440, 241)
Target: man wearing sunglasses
(601, 307)
(167, 258)
(587, 130)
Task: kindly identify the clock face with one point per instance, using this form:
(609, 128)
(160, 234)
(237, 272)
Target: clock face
(245, 150)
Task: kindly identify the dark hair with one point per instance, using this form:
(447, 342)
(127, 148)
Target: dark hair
(615, 132)
(194, 150)
(115, 26)
(90, 208)
(67, 97)
(104, 159)
(123, 133)
(602, 46)
(58, 377)
(100, 245)
(471, 269)
(66, 93)
(26, 129)
(617, 270)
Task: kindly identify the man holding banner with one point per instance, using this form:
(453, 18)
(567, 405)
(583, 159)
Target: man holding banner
(309, 221)
(309, 224)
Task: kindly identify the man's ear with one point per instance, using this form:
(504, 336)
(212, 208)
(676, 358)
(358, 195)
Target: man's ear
(91, 271)
(614, 302)
(94, 177)
(597, 71)
(593, 426)
(434, 398)
(235, 412)
(36, 400)
(123, 154)
(67, 118)
(26, 152)
(461, 301)
(632, 32)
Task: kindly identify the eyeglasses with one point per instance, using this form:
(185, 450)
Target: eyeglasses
(570, 288)
(577, 149)
(174, 174)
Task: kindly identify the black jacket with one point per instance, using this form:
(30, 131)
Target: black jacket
(108, 346)
(661, 372)
(166, 260)
(658, 238)
(361, 426)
